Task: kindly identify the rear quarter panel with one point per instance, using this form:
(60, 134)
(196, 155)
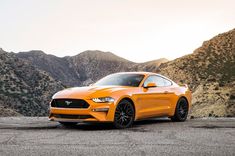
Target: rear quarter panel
(181, 91)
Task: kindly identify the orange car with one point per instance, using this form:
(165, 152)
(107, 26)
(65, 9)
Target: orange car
(122, 98)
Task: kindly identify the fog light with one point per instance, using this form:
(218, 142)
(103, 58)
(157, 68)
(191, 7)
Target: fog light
(100, 110)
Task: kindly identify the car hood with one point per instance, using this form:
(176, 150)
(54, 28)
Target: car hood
(88, 92)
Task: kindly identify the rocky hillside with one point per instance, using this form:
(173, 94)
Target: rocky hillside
(23, 88)
(84, 68)
(210, 73)
(56, 67)
(93, 65)
(6, 111)
(148, 66)
(28, 79)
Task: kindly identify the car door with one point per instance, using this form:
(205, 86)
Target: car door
(154, 101)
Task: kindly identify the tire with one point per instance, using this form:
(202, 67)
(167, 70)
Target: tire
(124, 115)
(181, 111)
(68, 124)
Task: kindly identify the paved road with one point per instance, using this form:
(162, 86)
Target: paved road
(37, 136)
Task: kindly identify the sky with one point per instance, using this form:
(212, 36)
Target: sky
(138, 30)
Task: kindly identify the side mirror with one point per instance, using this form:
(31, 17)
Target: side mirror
(150, 85)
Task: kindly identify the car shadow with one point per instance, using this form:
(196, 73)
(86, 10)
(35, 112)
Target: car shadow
(137, 126)
(152, 121)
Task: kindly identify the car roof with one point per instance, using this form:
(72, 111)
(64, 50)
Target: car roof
(144, 73)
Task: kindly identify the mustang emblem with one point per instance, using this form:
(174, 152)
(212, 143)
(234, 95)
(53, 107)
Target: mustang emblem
(68, 102)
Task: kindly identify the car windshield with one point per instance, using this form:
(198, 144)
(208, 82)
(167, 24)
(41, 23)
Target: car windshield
(132, 80)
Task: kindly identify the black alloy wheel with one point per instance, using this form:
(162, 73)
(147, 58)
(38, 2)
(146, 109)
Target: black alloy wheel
(124, 115)
(181, 110)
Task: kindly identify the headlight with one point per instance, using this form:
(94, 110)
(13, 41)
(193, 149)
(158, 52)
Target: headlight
(103, 100)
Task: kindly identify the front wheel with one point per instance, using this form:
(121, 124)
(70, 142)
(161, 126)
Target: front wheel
(181, 110)
(124, 115)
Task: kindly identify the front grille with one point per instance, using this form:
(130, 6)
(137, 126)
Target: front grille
(72, 116)
(69, 103)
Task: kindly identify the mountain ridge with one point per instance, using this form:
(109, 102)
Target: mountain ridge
(24, 89)
(81, 68)
(209, 71)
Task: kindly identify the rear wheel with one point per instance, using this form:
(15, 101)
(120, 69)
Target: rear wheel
(181, 111)
(68, 124)
(124, 115)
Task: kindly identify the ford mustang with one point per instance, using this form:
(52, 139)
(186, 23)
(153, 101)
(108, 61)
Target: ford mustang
(122, 98)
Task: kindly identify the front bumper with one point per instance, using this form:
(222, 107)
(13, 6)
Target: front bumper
(96, 112)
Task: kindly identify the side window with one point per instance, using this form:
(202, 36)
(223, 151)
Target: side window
(159, 81)
(148, 80)
(167, 82)
(156, 79)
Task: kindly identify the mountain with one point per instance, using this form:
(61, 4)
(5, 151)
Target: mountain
(24, 89)
(84, 68)
(93, 65)
(56, 67)
(28, 79)
(148, 66)
(210, 73)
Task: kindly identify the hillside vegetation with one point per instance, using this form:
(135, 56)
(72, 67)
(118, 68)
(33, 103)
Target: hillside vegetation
(210, 73)
(29, 79)
(23, 88)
